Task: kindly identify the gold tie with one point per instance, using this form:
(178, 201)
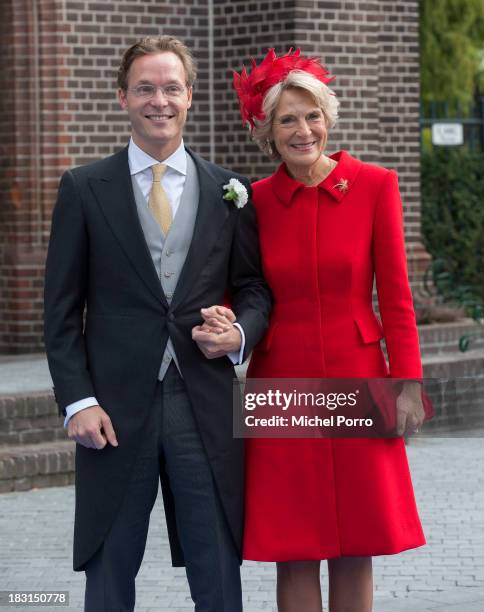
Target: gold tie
(158, 202)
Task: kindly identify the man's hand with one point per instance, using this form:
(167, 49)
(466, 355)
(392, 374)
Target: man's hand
(92, 428)
(215, 345)
(217, 336)
(410, 410)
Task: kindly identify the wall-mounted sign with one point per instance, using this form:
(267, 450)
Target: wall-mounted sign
(448, 134)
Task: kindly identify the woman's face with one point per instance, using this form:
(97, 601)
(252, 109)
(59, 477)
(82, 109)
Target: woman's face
(299, 128)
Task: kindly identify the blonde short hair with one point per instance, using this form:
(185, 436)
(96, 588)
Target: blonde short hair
(151, 45)
(322, 95)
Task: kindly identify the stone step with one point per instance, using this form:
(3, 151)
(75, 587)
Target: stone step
(443, 338)
(31, 436)
(31, 404)
(29, 419)
(455, 383)
(34, 451)
(32, 466)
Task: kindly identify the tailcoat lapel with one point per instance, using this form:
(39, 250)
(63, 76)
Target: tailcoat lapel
(114, 194)
(211, 215)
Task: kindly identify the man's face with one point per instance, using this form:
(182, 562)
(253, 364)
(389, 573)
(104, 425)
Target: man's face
(157, 122)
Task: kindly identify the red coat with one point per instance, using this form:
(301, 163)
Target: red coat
(321, 249)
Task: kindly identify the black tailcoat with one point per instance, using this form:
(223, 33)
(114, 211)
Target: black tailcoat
(98, 262)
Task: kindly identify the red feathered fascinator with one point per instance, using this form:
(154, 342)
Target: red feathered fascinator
(251, 88)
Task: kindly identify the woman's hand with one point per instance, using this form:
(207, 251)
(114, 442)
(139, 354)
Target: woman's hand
(410, 410)
(217, 319)
(217, 336)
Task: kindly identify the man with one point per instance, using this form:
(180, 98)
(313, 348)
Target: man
(146, 243)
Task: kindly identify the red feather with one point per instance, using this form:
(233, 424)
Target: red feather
(251, 88)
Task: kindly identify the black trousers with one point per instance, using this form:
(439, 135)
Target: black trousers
(212, 564)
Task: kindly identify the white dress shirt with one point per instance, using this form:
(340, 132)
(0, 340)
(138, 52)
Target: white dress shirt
(173, 182)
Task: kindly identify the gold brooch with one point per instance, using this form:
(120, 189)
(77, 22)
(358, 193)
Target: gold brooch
(342, 185)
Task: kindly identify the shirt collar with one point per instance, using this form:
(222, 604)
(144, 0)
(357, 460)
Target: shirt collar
(139, 160)
(337, 184)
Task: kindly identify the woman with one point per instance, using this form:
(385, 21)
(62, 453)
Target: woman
(328, 225)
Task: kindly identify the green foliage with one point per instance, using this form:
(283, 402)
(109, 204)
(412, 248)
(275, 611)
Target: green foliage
(453, 224)
(451, 48)
(426, 139)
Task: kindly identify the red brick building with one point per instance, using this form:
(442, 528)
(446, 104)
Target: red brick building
(59, 109)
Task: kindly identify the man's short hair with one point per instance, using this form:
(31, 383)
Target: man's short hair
(156, 44)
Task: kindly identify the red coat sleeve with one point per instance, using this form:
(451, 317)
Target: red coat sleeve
(394, 295)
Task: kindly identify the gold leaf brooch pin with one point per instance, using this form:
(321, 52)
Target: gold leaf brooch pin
(342, 185)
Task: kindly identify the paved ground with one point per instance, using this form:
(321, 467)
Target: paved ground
(445, 576)
(24, 374)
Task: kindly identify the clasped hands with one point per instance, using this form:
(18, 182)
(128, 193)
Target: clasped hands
(215, 337)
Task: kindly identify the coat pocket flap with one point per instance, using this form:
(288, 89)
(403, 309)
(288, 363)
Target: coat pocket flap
(370, 328)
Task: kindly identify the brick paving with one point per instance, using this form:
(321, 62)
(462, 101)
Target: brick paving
(445, 576)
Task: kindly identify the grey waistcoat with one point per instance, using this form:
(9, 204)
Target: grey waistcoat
(169, 254)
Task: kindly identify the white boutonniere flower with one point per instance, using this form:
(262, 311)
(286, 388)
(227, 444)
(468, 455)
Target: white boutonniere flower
(236, 192)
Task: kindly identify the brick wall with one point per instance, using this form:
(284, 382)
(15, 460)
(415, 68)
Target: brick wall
(22, 211)
(244, 30)
(399, 113)
(59, 67)
(94, 38)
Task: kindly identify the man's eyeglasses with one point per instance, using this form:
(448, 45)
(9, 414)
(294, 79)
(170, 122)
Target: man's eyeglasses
(148, 91)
